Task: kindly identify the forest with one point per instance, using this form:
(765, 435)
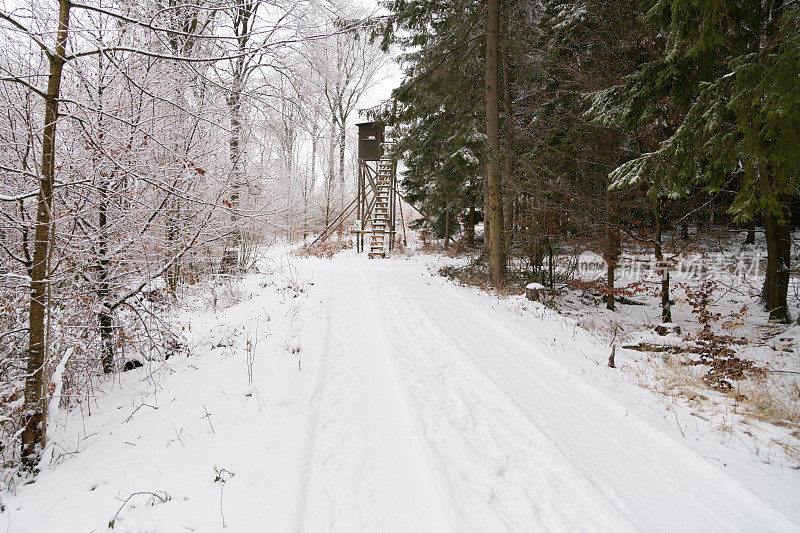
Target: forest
(602, 122)
(175, 183)
(147, 145)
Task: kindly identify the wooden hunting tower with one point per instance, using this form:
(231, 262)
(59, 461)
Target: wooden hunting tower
(376, 202)
(376, 212)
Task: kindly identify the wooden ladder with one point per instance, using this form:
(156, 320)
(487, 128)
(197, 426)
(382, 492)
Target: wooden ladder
(380, 214)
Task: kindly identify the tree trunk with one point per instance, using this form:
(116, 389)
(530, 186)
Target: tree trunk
(610, 267)
(310, 184)
(446, 229)
(486, 228)
(289, 133)
(104, 288)
(776, 281)
(508, 154)
(33, 434)
(612, 248)
(661, 265)
(342, 141)
(700, 223)
(496, 248)
(104, 317)
(471, 225)
(751, 233)
(331, 170)
(230, 255)
(235, 144)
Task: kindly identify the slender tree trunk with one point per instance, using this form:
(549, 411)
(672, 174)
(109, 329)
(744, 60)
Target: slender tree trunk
(486, 229)
(310, 184)
(104, 288)
(666, 310)
(446, 229)
(751, 233)
(289, 134)
(342, 144)
(611, 266)
(331, 170)
(230, 256)
(104, 317)
(471, 225)
(496, 248)
(776, 282)
(33, 434)
(612, 248)
(235, 145)
(508, 215)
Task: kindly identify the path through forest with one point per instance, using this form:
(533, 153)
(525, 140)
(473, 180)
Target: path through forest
(382, 397)
(433, 415)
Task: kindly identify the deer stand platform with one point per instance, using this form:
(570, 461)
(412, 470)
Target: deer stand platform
(376, 201)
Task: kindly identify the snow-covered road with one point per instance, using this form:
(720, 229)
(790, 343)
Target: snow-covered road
(436, 416)
(384, 398)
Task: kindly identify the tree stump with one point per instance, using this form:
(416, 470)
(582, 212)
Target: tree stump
(534, 292)
(667, 329)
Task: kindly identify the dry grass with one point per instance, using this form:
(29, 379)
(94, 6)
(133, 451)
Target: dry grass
(771, 401)
(759, 397)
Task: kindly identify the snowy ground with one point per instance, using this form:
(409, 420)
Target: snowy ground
(759, 408)
(384, 397)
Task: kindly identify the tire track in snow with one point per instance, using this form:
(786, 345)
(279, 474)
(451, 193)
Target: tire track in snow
(315, 404)
(502, 471)
(366, 471)
(469, 341)
(665, 490)
(725, 500)
(429, 489)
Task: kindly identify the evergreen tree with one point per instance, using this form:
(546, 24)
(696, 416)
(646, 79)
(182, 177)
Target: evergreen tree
(731, 71)
(437, 111)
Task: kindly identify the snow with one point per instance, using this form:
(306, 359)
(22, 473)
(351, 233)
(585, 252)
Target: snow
(384, 397)
(535, 286)
(467, 155)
